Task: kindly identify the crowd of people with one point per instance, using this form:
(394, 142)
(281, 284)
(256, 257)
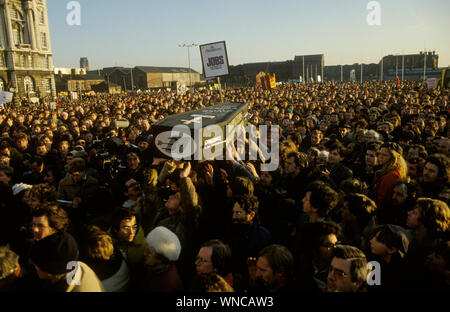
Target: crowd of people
(359, 201)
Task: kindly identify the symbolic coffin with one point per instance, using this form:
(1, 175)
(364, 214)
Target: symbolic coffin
(196, 134)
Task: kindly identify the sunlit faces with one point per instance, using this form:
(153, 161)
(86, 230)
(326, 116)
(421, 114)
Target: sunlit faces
(316, 137)
(371, 158)
(327, 247)
(127, 230)
(240, 216)
(384, 156)
(132, 161)
(430, 173)
(143, 145)
(203, 262)
(4, 178)
(173, 204)
(49, 177)
(444, 147)
(265, 273)
(41, 228)
(290, 166)
(307, 207)
(266, 178)
(378, 248)
(22, 144)
(334, 157)
(339, 276)
(399, 194)
(413, 218)
(412, 170)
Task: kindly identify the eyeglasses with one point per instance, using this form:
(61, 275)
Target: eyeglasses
(133, 228)
(39, 226)
(336, 272)
(330, 246)
(201, 260)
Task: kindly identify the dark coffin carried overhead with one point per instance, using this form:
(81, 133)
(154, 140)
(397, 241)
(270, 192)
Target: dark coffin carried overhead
(222, 115)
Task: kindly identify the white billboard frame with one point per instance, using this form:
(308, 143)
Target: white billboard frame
(221, 51)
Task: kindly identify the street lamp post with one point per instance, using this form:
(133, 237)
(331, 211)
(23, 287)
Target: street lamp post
(188, 46)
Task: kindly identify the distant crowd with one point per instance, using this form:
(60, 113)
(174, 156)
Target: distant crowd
(86, 204)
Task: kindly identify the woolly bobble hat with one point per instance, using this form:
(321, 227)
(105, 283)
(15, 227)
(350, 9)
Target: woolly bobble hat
(165, 243)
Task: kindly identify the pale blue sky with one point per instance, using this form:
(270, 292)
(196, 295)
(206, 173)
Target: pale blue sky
(148, 32)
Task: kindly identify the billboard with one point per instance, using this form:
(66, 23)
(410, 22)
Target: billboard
(214, 59)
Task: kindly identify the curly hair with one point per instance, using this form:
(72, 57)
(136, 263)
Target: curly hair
(249, 203)
(434, 215)
(45, 193)
(397, 162)
(58, 218)
(442, 162)
(99, 244)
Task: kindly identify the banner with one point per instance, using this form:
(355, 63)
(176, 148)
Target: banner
(34, 100)
(5, 97)
(181, 88)
(214, 59)
(272, 80)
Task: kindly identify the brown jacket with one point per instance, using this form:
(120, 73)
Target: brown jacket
(68, 190)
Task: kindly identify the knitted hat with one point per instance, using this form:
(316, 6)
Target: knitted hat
(52, 253)
(165, 243)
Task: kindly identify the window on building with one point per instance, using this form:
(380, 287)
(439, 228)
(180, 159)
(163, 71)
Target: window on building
(44, 40)
(30, 61)
(42, 17)
(22, 61)
(2, 85)
(16, 35)
(47, 85)
(28, 84)
(46, 62)
(2, 60)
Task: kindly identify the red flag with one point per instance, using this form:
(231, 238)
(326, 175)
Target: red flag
(398, 82)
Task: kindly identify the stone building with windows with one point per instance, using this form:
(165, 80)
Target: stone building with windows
(26, 61)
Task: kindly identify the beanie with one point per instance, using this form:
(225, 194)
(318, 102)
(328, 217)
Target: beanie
(165, 243)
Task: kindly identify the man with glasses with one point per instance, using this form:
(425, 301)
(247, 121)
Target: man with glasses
(128, 236)
(215, 257)
(316, 252)
(348, 270)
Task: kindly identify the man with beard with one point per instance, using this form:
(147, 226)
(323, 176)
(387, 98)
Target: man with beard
(404, 195)
(246, 236)
(275, 269)
(436, 175)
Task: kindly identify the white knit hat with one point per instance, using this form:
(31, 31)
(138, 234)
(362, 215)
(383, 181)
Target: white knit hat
(165, 243)
(19, 187)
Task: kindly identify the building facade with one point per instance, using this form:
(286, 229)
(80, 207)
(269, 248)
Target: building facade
(26, 60)
(84, 63)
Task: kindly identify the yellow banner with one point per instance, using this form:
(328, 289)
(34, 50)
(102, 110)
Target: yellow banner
(272, 81)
